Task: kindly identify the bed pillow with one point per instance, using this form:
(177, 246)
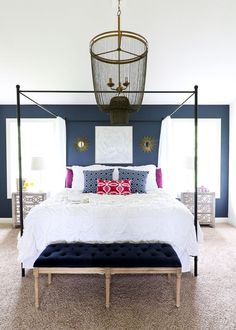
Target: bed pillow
(78, 175)
(151, 178)
(159, 177)
(113, 187)
(138, 179)
(91, 177)
(69, 178)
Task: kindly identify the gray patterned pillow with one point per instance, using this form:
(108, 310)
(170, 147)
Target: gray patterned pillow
(91, 177)
(138, 179)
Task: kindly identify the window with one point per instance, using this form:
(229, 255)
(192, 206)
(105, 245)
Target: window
(209, 154)
(38, 140)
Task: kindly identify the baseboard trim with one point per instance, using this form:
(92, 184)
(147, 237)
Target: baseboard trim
(6, 220)
(221, 220)
(232, 223)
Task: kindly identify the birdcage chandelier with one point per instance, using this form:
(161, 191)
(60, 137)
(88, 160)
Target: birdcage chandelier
(119, 61)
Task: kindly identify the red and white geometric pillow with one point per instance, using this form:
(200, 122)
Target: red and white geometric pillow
(113, 187)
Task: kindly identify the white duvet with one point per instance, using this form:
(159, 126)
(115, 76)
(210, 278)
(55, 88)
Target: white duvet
(72, 216)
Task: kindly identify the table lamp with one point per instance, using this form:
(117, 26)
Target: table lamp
(38, 164)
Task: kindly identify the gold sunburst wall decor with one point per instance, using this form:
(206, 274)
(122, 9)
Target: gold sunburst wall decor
(147, 144)
(81, 144)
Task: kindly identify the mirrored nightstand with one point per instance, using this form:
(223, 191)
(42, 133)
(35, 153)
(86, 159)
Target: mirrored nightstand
(206, 206)
(30, 199)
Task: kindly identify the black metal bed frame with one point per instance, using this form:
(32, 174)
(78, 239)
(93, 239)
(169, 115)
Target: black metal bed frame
(18, 115)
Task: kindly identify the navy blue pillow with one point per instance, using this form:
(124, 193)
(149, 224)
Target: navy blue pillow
(138, 179)
(91, 177)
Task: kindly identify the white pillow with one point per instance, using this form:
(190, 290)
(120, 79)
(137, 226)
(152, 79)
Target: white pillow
(78, 175)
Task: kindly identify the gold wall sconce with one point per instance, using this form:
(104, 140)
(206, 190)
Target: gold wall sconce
(81, 144)
(147, 144)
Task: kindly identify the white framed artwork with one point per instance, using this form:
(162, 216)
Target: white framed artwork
(114, 145)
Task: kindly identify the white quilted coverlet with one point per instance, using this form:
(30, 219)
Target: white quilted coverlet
(71, 216)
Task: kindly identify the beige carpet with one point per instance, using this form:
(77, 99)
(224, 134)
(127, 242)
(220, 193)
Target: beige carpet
(137, 302)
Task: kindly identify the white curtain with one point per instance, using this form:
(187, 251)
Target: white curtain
(165, 155)
(43, 154)
(58, 166)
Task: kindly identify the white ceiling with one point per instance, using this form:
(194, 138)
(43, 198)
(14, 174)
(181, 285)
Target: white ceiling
(45, 45)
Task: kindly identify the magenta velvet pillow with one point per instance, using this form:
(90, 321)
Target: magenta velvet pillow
(69, 178)
(159, 177)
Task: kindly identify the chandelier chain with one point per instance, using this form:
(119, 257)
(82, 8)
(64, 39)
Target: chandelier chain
(119, 10)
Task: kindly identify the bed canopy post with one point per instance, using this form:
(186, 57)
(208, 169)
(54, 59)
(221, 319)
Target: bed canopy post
(195, 168)
(18, 116)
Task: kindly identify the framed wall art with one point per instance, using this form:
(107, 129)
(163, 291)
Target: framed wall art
(114, 145)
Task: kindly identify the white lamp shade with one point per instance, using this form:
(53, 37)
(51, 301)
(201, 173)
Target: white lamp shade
(37, 163)
(189, 163)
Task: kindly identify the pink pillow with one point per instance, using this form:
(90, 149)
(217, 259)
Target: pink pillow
(114, 187)
(159, 178)
(69, 178)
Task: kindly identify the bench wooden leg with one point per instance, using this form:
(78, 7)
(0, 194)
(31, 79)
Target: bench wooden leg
(36, 287)
(108, 285)
(178, 281)
(49, 278)
(169, 276)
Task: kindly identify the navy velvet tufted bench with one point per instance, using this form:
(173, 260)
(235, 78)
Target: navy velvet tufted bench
(107, 259)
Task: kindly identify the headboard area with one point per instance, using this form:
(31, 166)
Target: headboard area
(140, 130)
(70, 174)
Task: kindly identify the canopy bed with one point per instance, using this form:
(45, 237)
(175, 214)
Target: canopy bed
(62, 210)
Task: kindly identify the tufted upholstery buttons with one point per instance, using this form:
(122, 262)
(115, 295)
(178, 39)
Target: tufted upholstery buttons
(108, 255)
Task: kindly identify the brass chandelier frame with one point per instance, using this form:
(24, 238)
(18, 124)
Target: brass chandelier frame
(124, 33)
(119, 49)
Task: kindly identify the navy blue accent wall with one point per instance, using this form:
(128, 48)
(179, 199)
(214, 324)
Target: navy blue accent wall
(82, 119)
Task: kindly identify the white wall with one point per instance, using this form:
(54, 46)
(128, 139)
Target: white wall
(45, 45)
(232, 165)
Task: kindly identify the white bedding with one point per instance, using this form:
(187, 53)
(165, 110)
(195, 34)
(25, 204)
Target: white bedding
(70, 216)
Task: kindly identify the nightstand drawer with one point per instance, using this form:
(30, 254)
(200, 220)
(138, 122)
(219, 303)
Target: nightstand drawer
(205, 219)
(206, 198)
(201, 208)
